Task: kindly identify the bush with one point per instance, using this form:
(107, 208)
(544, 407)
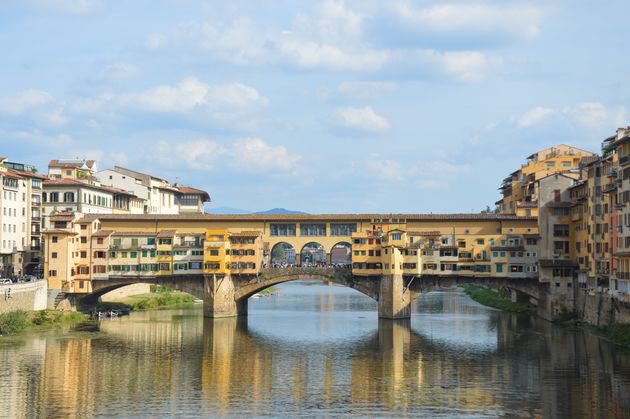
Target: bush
(618, 333)
(13, 322)
(492, 299)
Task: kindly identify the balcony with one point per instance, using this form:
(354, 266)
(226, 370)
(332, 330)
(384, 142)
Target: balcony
(624, 160)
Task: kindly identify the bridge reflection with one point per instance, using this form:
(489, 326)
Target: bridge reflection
(167, 363)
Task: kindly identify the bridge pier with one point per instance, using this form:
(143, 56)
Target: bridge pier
(220, 298)
(394, 300)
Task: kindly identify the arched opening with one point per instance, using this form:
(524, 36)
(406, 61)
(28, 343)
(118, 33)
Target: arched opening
(282, 254)
(313, 254)
(341, 254)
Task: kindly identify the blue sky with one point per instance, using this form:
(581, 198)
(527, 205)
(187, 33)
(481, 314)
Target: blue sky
(321, 106)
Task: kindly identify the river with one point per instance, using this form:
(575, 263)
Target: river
(315, 350)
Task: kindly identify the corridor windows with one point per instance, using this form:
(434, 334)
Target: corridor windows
(342, 229)
(282, 229)
(312, 229)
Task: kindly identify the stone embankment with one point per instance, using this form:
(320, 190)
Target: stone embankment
(30, 296)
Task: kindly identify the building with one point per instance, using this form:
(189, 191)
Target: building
(160, 196)
(85, 248)
(20, 218)
(72, 169)
(520, 188)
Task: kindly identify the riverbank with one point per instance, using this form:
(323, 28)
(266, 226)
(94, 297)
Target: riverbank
(618, 334)
(492, 299)
(152, 301)
(20, 321)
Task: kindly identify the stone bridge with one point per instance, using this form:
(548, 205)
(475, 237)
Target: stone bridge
(226, 296)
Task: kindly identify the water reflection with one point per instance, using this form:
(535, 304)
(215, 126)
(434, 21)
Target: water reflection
(317, 351)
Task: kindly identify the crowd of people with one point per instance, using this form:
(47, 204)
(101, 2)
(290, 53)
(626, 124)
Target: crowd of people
(308, 265)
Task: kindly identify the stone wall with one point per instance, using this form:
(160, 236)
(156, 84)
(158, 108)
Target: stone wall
(601, 309)
(128, 291)
(28, 297)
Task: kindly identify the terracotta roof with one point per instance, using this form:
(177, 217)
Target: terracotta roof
(246, 234)
(58, 231)
(133, 234)
(62, 217)
(308, 217)
(25, 173)
(187, 190)
(71, 163)
(166, 233)
(74, 182)
(10, 173)
(103, 233)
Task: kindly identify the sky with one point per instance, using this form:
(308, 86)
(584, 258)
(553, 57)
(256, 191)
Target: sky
(320, 106)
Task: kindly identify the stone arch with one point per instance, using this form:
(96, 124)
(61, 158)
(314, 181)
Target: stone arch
(193, 284)
(283, 253)
(313, 253)
(368, 288)
(341, 253)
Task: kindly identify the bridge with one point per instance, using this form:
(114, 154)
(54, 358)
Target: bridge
(224, 259)
(227, 296)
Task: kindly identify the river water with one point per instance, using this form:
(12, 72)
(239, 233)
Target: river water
(314, 350)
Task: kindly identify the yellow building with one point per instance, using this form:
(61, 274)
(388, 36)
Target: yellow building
(520, 188)
(97, 247)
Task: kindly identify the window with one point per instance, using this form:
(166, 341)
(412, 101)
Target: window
(53, 255)
(54, 239)
(566, 164)
(499, 267)
(99, 240)
(133, 255)
(561, 230)
(556, 195)
(339, 229)
(165, 241)
(214, 252)
(551, 164)
(68, 197)
(396, 236)
(165, 267)
(480, 241)
(282, 229)
(312, 229)
(52, 273)
(151, 241)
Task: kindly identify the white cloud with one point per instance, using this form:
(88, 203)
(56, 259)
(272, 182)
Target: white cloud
(367, 89)
(254, 155)
(20, 102)
(199, 154)
(331, 21)
(242, 155)
(518, 20)
(361, 119)
(595, 114)
(307, 54)
(535, 116)
(183, 97)
(75, 7)
(466, 66)
(34, 105)
(191, 93)
(586, 114)
(389, 170)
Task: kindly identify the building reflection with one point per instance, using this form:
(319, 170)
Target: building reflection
(177, 363)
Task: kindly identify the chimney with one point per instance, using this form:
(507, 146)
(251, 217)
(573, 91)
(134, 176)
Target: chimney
(621, 132)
